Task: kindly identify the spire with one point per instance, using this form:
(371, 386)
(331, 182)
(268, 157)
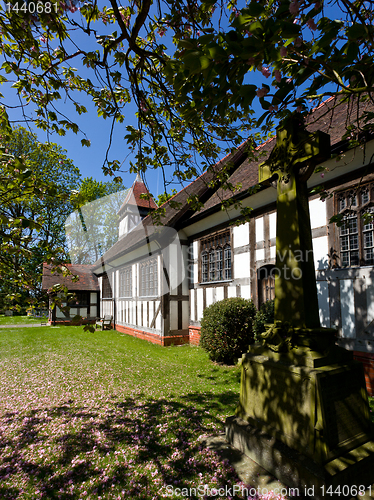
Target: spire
(134, 207)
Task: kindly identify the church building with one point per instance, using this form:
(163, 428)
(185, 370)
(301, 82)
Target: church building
(156, 284)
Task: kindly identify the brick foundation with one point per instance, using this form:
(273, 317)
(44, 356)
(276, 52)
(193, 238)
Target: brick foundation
(194, 332)
(153, 337)
(367, 359)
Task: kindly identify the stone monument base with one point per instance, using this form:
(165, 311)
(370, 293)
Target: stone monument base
(303, 415)
(300, 472)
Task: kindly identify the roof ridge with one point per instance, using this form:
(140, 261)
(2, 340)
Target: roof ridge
(323, 103)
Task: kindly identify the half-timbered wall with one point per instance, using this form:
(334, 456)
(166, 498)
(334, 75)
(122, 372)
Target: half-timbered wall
(156, 307)
(86, 306)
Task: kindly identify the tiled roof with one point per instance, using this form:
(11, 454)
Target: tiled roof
(329, 117)
(201, 188)
(87, 280)
(133, 196)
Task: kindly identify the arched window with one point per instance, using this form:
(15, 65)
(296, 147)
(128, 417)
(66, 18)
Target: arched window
(266, 284)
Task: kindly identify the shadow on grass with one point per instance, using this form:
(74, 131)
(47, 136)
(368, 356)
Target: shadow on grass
(118, 449)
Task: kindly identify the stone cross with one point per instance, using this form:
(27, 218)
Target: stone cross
(291, 163)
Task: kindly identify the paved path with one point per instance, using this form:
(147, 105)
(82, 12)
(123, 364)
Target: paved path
(253, 474)
(23, 326)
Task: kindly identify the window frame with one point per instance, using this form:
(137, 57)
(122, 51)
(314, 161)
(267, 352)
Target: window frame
(352, 203)
(148, 277)
(215, 258)
(125, 282)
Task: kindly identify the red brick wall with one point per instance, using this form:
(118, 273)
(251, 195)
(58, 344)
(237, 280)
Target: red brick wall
(194, 332)
(153, 337)
(367, 359)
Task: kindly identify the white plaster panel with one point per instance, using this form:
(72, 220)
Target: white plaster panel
(151, 312)
(231, 291)
(93, 311)
(173, 315)
(260, 229)
(192, 305)
(219, 293)
(241, 235)
(116, 283)
(199, 297)
(145, 323)
(260, 254)
(347, 306)
(370, 299)
(73, 312)
(184, 264)
(323, 303)
(320, 251)
(59, 313)
(273, 225)
(209, 296)
(317, 209)
(132, 313)
(129, 312)
(245, 291)
(273, 252)
(174, 269)
(241, 265)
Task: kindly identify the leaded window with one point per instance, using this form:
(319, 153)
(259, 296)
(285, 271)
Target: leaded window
(356, 231)
(149, 277)
(125, 282)
(215, 257)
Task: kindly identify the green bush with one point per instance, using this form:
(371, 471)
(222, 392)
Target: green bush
(226, 329)
(263, 316)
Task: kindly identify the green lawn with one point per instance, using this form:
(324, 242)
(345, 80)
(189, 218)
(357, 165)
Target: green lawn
(106, 416)
(19, 320)
(103, 415)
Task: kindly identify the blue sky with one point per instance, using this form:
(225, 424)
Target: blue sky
(90, 160)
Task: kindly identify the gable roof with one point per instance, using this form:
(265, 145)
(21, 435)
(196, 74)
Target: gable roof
(201, 188)
(330, 117)
(87, 280)
(133, 197)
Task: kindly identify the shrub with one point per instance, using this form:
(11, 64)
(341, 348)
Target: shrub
(226, 329)
(263, 316)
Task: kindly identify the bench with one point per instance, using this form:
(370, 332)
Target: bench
(106, 321)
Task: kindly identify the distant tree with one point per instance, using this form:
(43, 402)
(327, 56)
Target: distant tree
(35, 194)
(187, 67)
(93, 227)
